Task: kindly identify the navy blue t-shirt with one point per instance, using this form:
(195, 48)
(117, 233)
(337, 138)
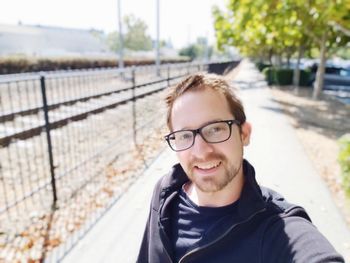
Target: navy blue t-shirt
(193, 225)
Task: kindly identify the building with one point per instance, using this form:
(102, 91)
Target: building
(45, 41)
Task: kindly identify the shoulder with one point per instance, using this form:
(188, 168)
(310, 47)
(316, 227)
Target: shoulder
(174, 179)
(277, 204)
(297, 239)
(290, 234)
(168, 183)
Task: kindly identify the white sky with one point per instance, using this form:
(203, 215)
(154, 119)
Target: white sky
(182, 21)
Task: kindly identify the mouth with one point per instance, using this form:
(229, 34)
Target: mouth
(207, 167)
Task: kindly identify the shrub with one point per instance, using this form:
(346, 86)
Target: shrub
(305, 77)
(268, 75)
(278, 76)
(344, 161)
(261, 66)
(284, 76)
(22, 64)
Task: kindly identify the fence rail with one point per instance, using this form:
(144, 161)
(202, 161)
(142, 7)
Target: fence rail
(67, 131)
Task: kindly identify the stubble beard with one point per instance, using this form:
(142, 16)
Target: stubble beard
(215, 183)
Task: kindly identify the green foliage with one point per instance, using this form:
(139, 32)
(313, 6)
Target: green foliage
(305, 76)
(192, 51)
(113, 41)
(261, 66)
(259, 28)
(285, 28)
(262, 28)
(197, 50)
(135, 37)
(275, 76)
(284, 76)
(344, 161)
(344, 52)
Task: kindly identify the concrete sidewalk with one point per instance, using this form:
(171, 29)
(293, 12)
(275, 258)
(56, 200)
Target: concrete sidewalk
(280, 163)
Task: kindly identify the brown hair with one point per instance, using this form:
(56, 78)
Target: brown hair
(205, 81)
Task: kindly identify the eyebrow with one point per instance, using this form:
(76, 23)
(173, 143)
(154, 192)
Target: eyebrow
(204, 124)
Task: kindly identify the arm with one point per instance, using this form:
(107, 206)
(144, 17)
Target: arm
(143, 252)
(144, 256)
(294, 239)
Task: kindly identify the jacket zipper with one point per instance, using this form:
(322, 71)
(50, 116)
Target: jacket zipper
(223, 235)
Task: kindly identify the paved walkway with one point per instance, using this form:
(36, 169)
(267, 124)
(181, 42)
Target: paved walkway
(280, 162)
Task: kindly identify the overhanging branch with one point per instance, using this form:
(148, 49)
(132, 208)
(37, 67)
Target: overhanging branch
(341, 28)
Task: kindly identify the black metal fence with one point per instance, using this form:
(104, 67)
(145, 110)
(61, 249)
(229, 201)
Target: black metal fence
(70, 144)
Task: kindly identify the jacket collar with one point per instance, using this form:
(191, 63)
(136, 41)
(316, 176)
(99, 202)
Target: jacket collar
(250, 201)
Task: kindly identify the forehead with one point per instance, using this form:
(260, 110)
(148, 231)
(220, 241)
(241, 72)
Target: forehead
(198, 107)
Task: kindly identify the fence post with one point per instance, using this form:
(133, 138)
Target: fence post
(134, 122)
(48, 136)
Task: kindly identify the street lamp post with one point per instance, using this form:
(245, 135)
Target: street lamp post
(121, 47)
(157, 43)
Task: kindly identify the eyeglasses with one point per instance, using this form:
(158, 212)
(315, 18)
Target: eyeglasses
(214, 132)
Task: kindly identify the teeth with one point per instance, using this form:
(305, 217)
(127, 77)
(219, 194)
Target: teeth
(208, 165)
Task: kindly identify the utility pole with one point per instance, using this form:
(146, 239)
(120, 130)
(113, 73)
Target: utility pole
(121, 47)
(206, 49)
(157, 42)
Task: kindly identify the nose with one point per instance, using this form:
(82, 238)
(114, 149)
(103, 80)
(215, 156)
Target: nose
(201, 148)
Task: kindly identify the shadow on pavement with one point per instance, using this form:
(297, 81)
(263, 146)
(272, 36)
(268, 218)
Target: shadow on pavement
(328, 118)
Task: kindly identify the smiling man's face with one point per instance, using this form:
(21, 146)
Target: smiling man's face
(210, 167)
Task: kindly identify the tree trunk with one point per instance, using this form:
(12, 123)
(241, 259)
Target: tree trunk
(318, 86)
(279, 60)
(296, 73)
(270, 56)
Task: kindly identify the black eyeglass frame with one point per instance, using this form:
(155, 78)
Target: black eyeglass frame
(199, 131)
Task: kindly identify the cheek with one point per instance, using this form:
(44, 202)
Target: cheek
(232, 149)
(183, 157)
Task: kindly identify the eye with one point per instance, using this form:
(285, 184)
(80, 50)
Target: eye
(184, 136)
(215, 128)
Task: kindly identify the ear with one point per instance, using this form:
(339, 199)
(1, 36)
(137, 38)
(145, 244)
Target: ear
(246, 130)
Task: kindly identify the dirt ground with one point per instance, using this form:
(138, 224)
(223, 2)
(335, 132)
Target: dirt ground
(319, 124)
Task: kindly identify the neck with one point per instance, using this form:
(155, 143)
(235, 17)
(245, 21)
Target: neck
(228, 195)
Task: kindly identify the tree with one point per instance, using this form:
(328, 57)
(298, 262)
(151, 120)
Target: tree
(113, 41)
(135, 36)
(190, 51)
(198, 50)
(283, 28)
(325, 17)
(259, 28)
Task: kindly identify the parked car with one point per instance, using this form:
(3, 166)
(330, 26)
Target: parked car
(335, 75)
(336, 80)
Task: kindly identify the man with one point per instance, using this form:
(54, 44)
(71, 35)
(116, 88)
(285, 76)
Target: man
(209, 208)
